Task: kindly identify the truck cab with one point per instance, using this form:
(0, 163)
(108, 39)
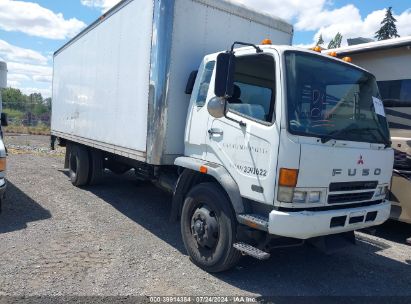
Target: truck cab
(303, 136)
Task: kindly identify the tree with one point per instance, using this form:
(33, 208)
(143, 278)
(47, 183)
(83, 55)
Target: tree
(47, 102)
(13, 99)
(336, 42)
(320, 40)
(388, 28)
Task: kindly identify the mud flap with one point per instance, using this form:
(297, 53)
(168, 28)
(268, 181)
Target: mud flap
(330, 244)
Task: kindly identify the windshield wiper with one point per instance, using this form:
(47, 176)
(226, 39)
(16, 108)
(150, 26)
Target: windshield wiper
(353, 128)
(386, 141)
(331, 135)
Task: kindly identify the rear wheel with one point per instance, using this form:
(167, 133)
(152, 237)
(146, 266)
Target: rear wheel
(79, 165)
(208, 228)
(96, 167)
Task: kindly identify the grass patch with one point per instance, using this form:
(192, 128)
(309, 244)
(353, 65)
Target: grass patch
(37, 130)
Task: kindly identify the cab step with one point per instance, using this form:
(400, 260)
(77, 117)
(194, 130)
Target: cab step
(255, 221)
(251, 251)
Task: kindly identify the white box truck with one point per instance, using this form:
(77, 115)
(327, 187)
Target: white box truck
(261, 146)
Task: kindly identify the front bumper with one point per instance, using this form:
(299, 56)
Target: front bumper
(309, 224)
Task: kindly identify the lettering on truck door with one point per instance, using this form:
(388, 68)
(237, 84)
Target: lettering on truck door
(249, 152)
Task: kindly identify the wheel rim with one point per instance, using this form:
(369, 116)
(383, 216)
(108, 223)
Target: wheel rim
(204, 227)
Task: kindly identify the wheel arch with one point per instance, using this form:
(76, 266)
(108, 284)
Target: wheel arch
(192, 176)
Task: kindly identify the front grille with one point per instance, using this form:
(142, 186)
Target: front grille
(349, 197)
(353, 186)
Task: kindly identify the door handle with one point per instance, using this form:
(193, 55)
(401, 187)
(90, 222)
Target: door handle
(215, 131)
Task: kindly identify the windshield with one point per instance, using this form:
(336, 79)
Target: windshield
(333, 100)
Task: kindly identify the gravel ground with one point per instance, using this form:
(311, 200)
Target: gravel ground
(115, 239)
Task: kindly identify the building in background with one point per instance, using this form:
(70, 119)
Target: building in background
(390, 62)
(358, 40)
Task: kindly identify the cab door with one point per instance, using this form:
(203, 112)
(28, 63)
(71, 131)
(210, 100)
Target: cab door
(197, 120)
(246, 141)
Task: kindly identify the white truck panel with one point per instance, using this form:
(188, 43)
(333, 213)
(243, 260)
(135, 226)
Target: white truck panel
(213, 27)
(119, 86)
(101, 80)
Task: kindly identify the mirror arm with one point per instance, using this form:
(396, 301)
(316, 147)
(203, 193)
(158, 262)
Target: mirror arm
(240, 122)
(246, 44)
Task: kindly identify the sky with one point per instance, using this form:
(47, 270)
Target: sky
(32, 30)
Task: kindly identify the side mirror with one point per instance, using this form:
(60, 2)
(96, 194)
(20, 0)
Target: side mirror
(190, 82)
(217, 107)
(4, 121)
(224, 80)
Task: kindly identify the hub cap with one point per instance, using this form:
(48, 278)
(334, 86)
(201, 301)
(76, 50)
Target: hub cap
(204, 227)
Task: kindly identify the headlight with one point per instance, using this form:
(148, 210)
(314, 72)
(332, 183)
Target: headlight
(378, 191)
(299, 196)
(293, 195)
(314, 197)
(381, 191)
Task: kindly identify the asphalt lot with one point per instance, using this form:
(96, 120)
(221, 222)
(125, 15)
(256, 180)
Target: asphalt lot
(116, 239)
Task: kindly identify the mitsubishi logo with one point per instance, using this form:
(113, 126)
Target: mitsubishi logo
(360, 161)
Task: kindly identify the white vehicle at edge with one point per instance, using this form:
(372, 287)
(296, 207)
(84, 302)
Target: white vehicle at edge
(269, 145)
(3, 154)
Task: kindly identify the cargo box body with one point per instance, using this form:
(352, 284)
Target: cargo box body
(119, 85)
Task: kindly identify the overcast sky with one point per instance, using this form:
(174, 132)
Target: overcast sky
(30, 31)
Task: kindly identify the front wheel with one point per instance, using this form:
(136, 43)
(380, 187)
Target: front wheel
(208, 228)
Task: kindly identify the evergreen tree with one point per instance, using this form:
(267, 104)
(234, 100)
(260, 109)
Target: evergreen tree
(388, 28)
(336, 42)
(320, 40)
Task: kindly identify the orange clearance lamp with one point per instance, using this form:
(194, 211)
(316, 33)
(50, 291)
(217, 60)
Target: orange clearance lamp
(317, 48)
(266, 42)
(347, 59)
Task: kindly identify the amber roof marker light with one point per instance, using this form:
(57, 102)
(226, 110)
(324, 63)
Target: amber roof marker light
(267, 42)
(317, 48)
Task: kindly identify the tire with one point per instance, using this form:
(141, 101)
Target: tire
(96, 167)
(209, 245)
(79, 165)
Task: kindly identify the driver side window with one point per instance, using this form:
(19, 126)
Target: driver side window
(205, 79)
(254, 87)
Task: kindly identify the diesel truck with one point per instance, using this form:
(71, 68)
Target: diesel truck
(262, 144)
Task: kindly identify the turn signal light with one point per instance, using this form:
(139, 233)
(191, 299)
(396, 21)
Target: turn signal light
(203, 169)
(288, 177)
(347, 59)
(3, 164)
(266, 42)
